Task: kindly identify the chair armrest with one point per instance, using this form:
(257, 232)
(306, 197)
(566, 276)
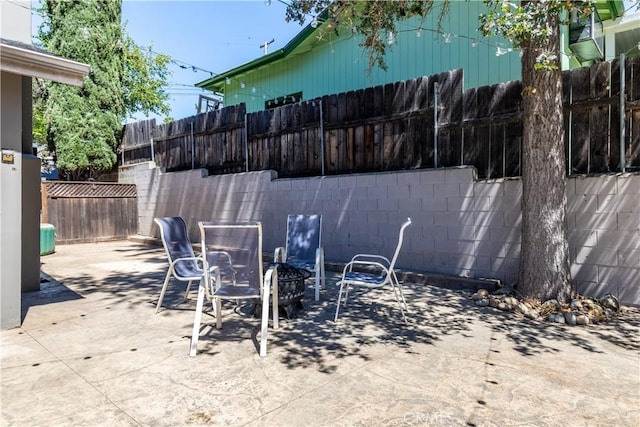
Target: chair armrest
(364, 263)
(198, 259)
(279, 255)
(370, 257)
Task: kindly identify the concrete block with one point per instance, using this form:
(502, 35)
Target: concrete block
(505, 234)
(283, 185)
(437, 261)
(604, 184)
(432, 177)
(365, 181)
(463, 263)
(488, 189)
(456, 247)
(421, 191)
(460, 204)
(445, 219)
(299, 185)
(409, 177)
(595, 256)
(366, 205)
(630, 222)
(447, 190)
(618, 276)
(389, 204)
(618, 203)
(386, 179)
(582, 203)
(584, 273)
(400, 192)
(459, 232)
(419, 244)
(347, 181)
(328, 183)
(438, 233)
(618, 240)
(594, 289)
(629, 290)
(487, 219)
(459, 174)
(579, 238)
(377, 192)
(595, 221)
(629, 258)
(434, 205)
(481, 264)
(411, 206)
(505, 266)
(628, 185)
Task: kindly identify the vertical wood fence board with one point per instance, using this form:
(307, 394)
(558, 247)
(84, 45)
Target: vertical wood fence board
(361, 128)
(580, 130)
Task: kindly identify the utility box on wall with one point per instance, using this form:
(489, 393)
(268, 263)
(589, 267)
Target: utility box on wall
(586, 37)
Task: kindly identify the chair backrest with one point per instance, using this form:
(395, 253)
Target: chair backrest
(304, 236)
(236, 247)
(175, 239)
(400, 240)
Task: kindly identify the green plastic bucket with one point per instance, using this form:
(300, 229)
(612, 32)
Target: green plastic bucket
(47, 239)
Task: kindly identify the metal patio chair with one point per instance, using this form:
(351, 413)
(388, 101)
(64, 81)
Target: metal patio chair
(380, 272)
(235, 247)
(304, 247)
(184, 265)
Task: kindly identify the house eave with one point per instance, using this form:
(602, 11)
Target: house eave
(36, 63)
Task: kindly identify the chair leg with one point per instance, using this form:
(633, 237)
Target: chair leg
(274, 291)
(218, 308)
(264, 325)
(335, 319)
(318, 276)
(164, 289)
(270, 282)
(195, 334)
(399, 298)
(186, 293)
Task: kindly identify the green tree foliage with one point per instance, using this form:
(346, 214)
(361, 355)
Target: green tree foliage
(532, 26)
(83, 125)
(370, 19)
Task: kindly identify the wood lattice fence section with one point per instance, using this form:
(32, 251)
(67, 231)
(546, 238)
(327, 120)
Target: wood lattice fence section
(90, 211)
(426, 122)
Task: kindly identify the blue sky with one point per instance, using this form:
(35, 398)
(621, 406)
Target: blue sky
(210, 35)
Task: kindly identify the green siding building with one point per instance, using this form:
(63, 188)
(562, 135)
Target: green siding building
(324, 60)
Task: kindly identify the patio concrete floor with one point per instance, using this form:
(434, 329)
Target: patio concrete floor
(92, 352)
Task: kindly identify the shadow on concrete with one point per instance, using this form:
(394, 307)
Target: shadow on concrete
(372, 318)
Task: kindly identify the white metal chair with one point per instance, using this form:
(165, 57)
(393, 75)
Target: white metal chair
(304, 247)
(384, 274)
(236, 248)
(184, 265)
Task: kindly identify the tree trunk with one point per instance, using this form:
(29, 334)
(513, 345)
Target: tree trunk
(544, 261)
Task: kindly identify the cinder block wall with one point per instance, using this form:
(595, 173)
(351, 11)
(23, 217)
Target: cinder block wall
(460, 226)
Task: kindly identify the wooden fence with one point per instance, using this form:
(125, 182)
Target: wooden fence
(90, 211)
(421, 123)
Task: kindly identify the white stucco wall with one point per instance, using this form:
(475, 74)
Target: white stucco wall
(460, 226)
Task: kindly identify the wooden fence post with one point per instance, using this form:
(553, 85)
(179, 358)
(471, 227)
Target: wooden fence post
(44, 211)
